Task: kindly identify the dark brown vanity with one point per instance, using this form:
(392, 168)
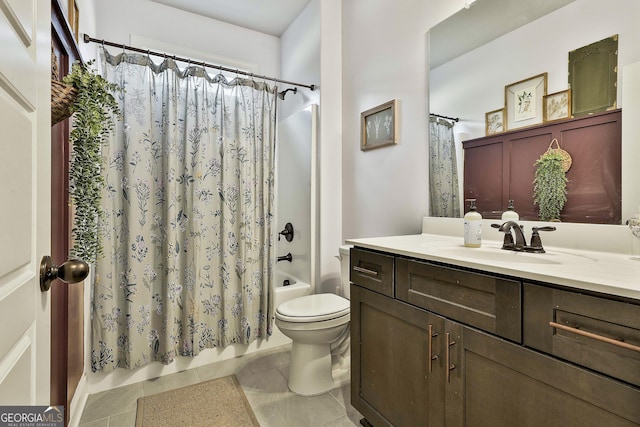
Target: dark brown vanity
(434, 344)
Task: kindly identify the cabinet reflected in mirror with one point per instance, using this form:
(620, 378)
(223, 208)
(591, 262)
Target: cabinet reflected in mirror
(470, 83)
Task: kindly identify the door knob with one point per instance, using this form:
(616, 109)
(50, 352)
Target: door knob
(71, 271)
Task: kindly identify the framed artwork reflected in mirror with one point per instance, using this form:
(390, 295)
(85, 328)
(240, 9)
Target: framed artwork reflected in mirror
(557, 106)
(523, 101)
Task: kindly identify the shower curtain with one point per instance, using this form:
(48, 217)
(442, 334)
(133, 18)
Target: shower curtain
(443, 170)
(188, 202)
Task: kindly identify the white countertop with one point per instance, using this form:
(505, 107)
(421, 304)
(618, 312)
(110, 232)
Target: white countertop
(603, 272)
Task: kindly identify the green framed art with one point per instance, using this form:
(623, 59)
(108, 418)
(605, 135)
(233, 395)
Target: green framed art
(593, 77)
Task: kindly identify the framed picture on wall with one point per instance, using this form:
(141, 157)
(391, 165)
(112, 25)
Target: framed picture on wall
(74, 18)
(593, 77)
(378, 126)
(557, 106)
(523, 101)
(494, 121)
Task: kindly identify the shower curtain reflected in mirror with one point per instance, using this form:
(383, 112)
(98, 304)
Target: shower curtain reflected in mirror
(188, 201)
(444, 199)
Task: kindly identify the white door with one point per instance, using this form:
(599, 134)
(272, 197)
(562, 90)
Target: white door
(25, 163)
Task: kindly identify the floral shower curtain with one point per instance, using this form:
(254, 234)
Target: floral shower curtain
(188, 201)
(443, 170)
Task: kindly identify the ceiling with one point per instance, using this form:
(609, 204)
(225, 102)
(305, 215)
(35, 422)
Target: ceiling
(481, 22)
(266, 16)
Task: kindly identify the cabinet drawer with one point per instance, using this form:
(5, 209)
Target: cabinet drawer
(487, 302)
(372, 270)
(591, 331)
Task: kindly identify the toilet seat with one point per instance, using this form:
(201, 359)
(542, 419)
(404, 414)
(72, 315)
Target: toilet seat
(313, 308)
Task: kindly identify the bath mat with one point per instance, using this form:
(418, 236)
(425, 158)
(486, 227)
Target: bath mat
(219, 402)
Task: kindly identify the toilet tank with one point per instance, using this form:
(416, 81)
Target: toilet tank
(344, 271)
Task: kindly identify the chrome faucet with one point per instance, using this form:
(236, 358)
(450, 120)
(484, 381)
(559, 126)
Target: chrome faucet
(520, 243)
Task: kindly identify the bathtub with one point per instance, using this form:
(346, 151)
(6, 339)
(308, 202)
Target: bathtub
(295, 289)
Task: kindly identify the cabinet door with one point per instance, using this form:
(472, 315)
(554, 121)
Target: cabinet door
(397, 361)
(509, 385)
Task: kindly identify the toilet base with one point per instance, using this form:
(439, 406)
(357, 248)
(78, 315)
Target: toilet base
(310, 370)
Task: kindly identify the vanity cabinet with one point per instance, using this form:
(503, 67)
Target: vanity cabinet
(443, 351)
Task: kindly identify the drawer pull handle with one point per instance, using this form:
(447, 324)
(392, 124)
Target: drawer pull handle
(365, 271)
(432, 357)
(449, 366)
(597, 337)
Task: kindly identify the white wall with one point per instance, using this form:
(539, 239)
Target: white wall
(117, 20)
(330, 146)
(384, 57)
(300, 59)
(300, 62)
(312, 54)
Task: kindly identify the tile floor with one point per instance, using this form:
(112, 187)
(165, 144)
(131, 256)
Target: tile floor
(264, 380)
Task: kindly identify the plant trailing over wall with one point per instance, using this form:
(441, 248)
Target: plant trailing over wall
(550, 186)
(93, 111)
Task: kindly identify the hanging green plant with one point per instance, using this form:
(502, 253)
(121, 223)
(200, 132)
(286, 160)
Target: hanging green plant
(93, 112)
(550, 185)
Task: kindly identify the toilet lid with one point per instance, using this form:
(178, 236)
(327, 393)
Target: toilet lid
(314, 307)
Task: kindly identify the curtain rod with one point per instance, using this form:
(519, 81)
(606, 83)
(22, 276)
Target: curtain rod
(87, 39)
(455, 119)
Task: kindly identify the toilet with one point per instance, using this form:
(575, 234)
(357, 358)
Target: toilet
(316, 323)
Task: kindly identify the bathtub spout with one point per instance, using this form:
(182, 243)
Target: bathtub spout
(287, 257)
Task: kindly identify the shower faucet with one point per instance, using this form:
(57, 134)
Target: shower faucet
(287, 257)
(287, 232)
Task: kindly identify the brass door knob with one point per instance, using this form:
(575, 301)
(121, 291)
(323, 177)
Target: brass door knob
(71, 271)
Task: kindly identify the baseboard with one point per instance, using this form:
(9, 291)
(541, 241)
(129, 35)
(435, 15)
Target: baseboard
(78, 402)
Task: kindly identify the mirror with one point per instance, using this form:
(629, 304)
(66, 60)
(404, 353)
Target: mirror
(470, 66)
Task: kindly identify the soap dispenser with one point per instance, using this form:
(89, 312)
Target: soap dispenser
(472, 226)
(510, 214)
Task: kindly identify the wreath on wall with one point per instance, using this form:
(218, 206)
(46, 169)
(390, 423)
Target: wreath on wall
(550, 182)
